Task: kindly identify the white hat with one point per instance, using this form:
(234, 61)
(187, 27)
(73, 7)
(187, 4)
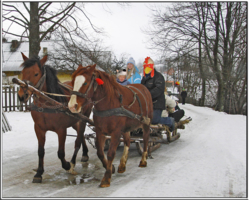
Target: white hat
(121, 73)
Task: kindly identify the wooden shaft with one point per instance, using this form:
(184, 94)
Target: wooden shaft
(154, 147)
(50, 100)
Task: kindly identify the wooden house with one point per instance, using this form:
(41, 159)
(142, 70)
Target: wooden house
(12, 58)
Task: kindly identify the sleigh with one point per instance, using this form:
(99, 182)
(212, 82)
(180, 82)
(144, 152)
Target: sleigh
(159, 134)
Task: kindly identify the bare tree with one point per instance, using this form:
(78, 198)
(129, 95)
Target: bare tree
(68, 55)
(178, 31)
(216, 30)
(224, 38)
(39, 20)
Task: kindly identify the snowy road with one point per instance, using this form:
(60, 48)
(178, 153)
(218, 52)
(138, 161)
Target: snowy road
(208, 160)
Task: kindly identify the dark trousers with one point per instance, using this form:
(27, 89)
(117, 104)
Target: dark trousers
(177, 115)
(157, 119)
(183, 100)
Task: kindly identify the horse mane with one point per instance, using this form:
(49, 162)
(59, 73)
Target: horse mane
(53, 85)
(52, 81)
(110, 86)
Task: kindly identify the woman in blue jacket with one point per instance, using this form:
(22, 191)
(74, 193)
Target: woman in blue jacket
(133, 75)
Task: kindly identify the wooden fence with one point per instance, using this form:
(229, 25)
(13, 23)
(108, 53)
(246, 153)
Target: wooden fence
(10, 101)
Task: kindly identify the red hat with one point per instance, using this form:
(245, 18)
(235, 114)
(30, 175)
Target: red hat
(149, 63)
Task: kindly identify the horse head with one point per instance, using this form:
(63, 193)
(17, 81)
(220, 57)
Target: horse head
(32, 74)
(83, 81)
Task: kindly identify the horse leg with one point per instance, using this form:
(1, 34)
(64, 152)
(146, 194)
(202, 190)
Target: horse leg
(146, 134)
(61, 151)
(80, 128)
(100, 142)
(77, 143)
(123, 160)
(40, 134)
(115, 139)
(85, 156)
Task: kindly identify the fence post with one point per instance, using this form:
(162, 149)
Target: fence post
(9, 98)
(5, 96)
(14, 99)
(17, 100)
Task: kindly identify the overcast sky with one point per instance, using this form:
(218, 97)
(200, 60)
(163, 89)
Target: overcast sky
(123, 26)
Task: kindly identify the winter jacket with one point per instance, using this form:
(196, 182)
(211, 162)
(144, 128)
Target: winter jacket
(135, 78)
(170, 105)
(125, 82)
(156, 87)
(184, 94)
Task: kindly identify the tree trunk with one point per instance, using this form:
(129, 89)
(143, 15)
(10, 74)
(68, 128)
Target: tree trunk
(220, 93)
(226, 63)
(203, 77)
(34, 38)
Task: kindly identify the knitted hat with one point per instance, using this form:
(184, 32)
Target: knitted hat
(131, 60)
(149, 63)
(121, 73)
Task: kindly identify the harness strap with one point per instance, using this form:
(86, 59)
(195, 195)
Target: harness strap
(139, 99)
(34, 107)
(134, 97)
(41, 82)
(66, 86)
(88, 89)
(58, 95)
(122, 112)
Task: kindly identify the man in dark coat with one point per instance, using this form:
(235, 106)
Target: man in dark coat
(155, 83)
(183, 95)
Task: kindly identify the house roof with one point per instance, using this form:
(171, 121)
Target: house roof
(13, 60)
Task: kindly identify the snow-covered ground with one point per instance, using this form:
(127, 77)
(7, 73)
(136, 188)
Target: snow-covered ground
(208, 160)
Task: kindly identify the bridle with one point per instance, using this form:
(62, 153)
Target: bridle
(93, 84)
(38, 85)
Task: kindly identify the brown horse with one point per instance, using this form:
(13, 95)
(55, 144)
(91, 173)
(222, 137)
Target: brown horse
(117, 111)
(50, 118)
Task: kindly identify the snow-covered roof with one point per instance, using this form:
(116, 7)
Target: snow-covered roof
(13, 60)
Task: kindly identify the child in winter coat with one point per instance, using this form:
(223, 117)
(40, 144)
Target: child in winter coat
(171, 110)
(121, 78)
(133, 75)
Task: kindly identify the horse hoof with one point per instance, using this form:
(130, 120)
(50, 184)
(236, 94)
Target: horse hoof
(143, 164)
(104, 184)
(113, 170)
(37, 180)
(121, 169)
(84, 158)
(71, 170)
